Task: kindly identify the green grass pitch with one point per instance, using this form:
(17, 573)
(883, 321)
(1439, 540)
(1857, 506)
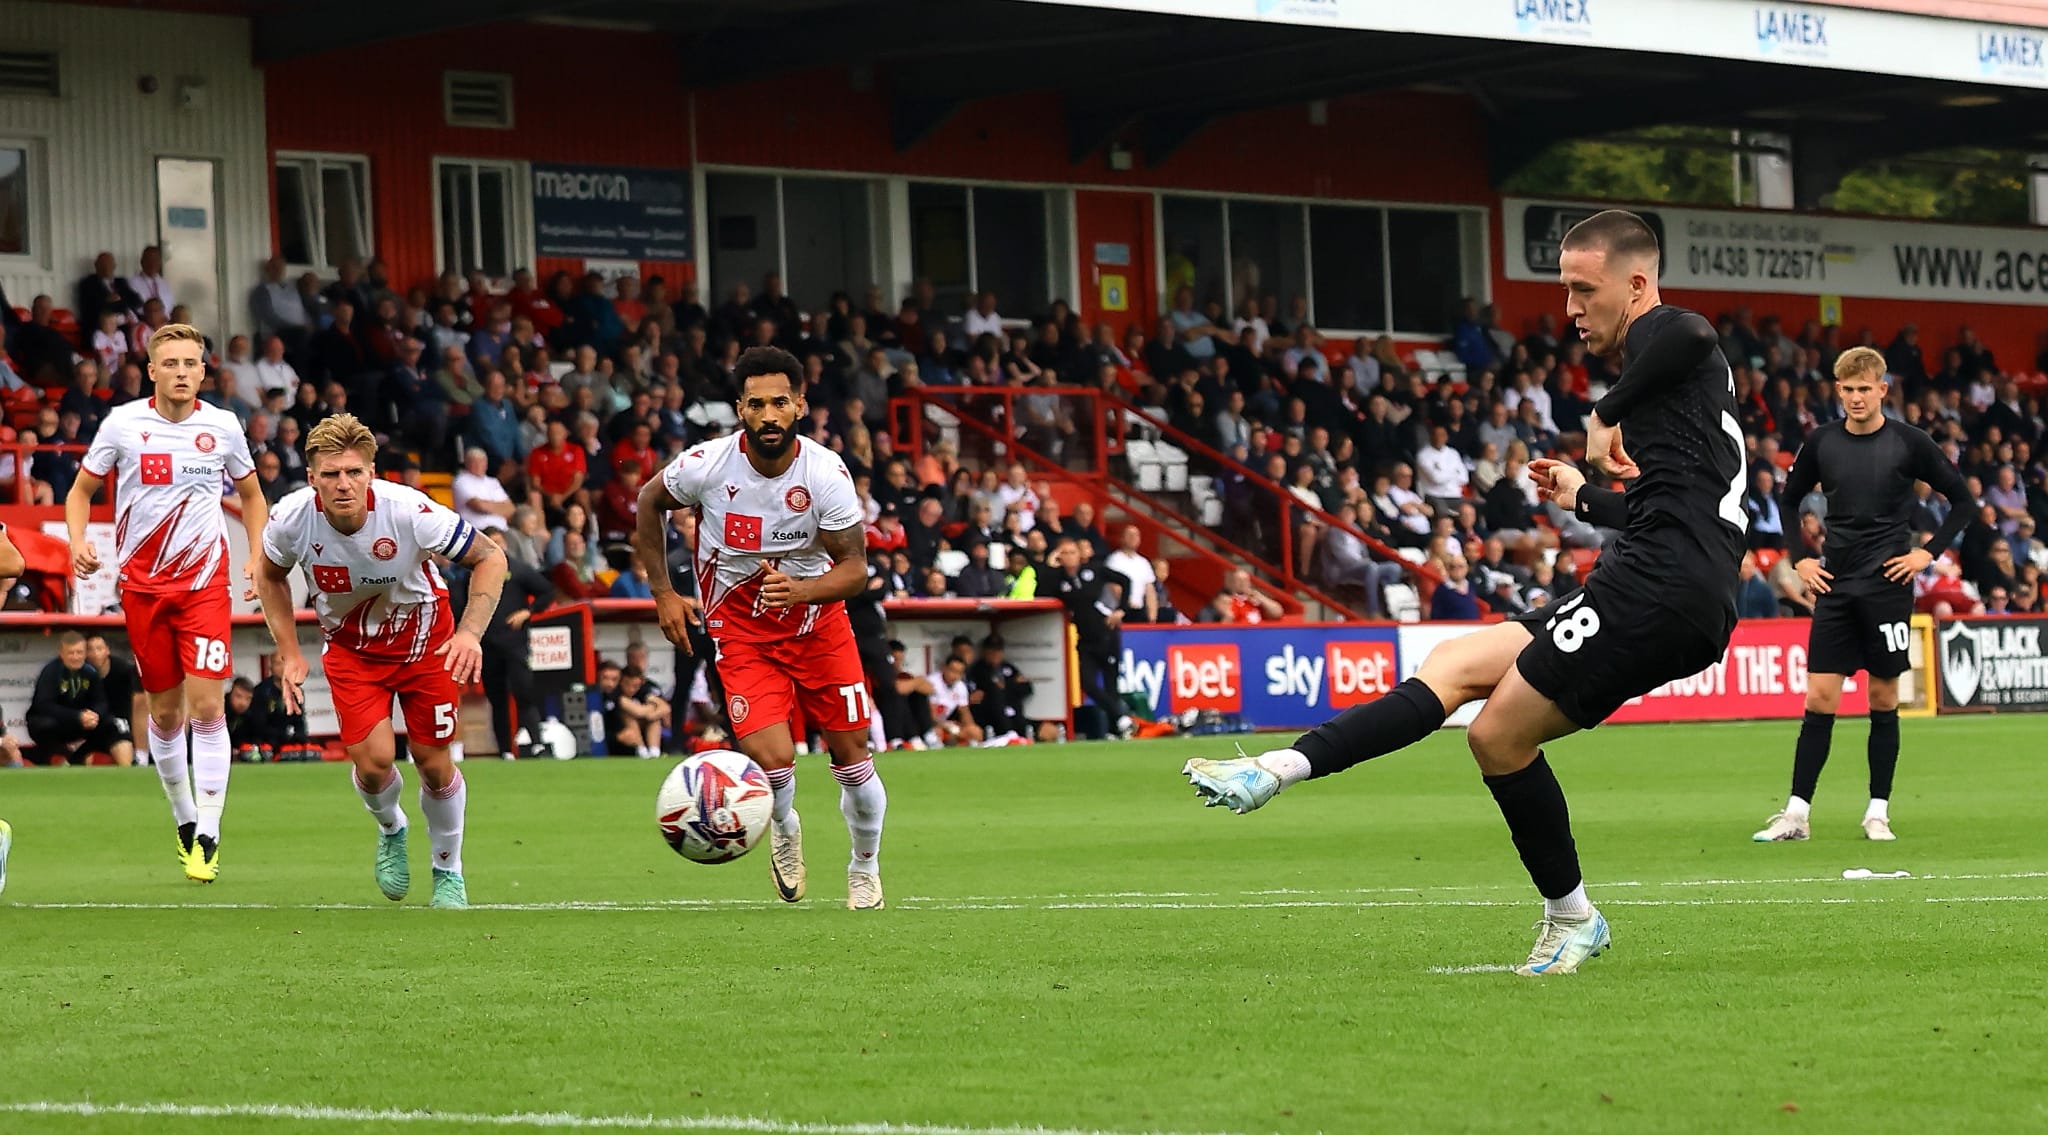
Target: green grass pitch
(1071, 943)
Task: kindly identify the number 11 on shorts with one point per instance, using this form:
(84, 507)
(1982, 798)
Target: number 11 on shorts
(857, 705)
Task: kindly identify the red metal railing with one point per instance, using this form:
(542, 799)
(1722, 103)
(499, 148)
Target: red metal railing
(1192, 589)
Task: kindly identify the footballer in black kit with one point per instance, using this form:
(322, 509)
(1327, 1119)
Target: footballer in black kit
(1659, 605)
(1863, 582)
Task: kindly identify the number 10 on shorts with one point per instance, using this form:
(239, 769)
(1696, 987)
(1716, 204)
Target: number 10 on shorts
(1896, 636)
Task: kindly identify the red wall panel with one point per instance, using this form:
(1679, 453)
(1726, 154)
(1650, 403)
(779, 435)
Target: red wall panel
(385, 101)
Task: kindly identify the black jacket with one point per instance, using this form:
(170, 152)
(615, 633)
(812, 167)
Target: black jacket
(62, 694)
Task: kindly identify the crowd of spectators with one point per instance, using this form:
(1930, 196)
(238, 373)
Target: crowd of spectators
(550, 403)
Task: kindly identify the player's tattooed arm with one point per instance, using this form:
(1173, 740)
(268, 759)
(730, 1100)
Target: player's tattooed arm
(845, 579)
(487, 570)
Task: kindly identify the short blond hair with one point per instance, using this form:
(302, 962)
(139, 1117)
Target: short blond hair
(1858, 361)
(174, 333)
(339, 433)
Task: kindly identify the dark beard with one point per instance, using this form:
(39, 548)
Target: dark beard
(767, 450)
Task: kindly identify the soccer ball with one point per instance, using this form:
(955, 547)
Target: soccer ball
(714, 806)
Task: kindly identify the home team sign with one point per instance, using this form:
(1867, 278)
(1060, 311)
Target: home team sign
(1803, 254)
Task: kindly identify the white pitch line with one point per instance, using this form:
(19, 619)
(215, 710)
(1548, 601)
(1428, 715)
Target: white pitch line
(545, 1120)
(1471, 969)
(1127, 904)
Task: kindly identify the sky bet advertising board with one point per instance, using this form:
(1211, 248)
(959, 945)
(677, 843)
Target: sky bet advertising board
(1274, 677)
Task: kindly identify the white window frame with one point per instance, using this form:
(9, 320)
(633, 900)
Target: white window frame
(38, 220)
(1473, 266)
(312, 163)
(519, 225)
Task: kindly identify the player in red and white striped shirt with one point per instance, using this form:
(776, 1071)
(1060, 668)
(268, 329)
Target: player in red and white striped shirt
(367, 548)
(780, 547)
(169, 454)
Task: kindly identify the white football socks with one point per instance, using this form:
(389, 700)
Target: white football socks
(382, 803)
(1879, 809)
(783, 782)
(211, 759)
(444, 810)
(1797, 809)
(863, 802)
(1574, 907)
(168, 754)
(1290, 766)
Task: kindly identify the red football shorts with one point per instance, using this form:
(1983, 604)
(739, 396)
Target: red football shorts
(817, 676)
(362, 688)
(176, 633)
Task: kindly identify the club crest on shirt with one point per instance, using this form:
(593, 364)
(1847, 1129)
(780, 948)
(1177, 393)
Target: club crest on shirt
(204, 442)
(385, 548)
(739, 709)
(798, 499)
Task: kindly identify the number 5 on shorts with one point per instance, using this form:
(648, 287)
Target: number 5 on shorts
(209, 654)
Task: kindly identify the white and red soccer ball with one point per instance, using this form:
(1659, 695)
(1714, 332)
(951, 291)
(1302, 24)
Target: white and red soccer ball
(714, 806)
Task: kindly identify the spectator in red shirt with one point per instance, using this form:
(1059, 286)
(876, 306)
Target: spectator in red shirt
(637, 449)
(621, 509)
(576, 576)
(557, 468)
(886, 534)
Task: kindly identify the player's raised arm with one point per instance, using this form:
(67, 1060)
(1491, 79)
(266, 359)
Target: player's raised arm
(1660, 351)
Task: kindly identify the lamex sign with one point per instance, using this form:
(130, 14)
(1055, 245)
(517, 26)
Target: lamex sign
(1790, 29)
(1993, 663)
(1276, 677)
(1921, 45)
(1803, 254)
(611, 213)
(1557, 19)
(2013, 54)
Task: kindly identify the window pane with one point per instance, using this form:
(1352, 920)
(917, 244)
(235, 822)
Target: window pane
(342, 216)
(938, 242)
(1194, 248)
(494, 223)
(1350, 295)
(743, 233)
(1428, 269)
(457, 227)
(1010, 250)
(1267, 254)
(829, 247)
(294, 216)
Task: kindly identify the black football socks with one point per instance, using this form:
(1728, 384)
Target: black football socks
(1408, 713)
(1532, 802)
(1816, 732)
(1884, 752)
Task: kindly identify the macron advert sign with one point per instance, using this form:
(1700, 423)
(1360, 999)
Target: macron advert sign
(611, 213)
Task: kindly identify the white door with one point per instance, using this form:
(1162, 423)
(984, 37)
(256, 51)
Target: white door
(188, 231)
